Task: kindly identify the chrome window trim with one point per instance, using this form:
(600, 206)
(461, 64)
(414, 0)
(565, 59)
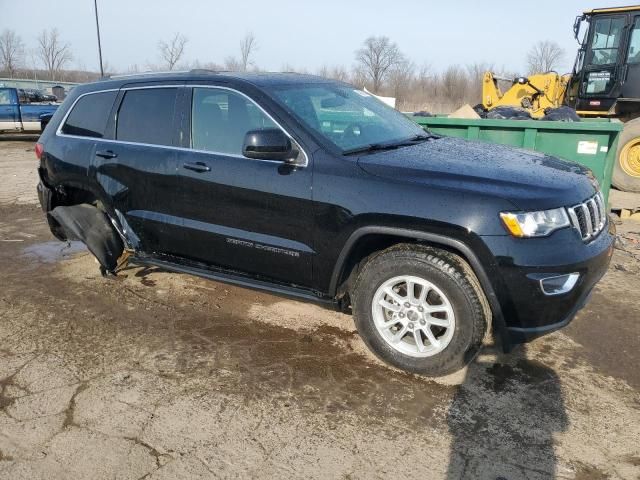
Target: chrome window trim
(59, 132)
(145, 74)
(73, 105)
(145, 87)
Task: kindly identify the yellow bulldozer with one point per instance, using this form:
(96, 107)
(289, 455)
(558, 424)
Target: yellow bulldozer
(605, 82)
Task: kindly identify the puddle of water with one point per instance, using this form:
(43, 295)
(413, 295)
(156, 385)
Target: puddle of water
(51, 252)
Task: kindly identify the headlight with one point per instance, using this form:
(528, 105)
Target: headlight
(535, 224)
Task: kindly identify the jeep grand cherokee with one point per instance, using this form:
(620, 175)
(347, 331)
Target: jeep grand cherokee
(314, 189)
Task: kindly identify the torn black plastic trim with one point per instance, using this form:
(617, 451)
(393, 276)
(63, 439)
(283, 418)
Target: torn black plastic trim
(92, 227)
(131, 240)
(45, 196)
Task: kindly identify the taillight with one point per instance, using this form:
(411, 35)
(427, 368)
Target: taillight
(39, 150)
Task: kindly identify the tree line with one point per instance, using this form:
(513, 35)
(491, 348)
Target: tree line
(379, 65)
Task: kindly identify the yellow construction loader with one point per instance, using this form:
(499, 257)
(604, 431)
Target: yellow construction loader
(605, 82)
(535, 93)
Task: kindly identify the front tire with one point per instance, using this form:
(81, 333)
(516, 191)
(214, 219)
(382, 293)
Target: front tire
(418, 309)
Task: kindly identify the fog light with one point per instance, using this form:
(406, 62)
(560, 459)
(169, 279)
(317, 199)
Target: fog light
(559, 284)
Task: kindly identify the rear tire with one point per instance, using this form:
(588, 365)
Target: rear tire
(626, 173)
(417, 309)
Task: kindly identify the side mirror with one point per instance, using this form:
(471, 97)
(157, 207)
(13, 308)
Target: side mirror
(522, 80)
(45, 118)
(268, 144)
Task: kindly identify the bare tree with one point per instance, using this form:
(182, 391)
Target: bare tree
(11, 51)
(107, 68)
(359, 76)
(232, 64)
(172, 51)
(377, 57)
(198, 65)
(339, 73)
(475, 72)
(248, 46)
(544, 56)
(454, 84)
(323, 71)
(401, 78)
(424, 79)
(53, 53)
(33, 62)
(289, 68)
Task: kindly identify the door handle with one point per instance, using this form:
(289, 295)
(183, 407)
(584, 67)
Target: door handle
(199, 167)
(106, 154)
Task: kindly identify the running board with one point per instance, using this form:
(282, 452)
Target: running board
(261, 285)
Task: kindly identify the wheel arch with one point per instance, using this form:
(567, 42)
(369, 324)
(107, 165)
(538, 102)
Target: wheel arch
(71, 192)
(367, 240)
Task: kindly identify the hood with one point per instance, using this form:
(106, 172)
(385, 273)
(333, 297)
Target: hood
(529, 180)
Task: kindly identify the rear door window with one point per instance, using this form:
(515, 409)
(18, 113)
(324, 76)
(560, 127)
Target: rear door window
(89, 115)
(146, 116)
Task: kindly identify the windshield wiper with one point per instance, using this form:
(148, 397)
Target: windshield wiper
(421, 136)
(372, 147)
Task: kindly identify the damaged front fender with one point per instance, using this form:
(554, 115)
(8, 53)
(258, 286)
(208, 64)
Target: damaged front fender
(92, 227)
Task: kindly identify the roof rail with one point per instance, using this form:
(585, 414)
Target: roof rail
(204, 70)
(125, 75)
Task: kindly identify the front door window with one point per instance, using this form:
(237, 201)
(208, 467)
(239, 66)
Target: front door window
(220, 119)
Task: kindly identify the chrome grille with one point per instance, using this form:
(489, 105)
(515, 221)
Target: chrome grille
(589, 218)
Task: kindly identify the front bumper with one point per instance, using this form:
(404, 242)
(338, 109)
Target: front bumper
(528, 312)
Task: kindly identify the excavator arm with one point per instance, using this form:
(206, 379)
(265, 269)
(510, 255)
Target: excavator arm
(534, 94)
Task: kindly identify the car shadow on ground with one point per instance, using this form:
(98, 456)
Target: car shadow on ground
(503, 419)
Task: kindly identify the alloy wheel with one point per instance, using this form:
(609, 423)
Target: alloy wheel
(413, 316)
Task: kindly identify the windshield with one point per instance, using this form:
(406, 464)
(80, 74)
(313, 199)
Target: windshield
(350, 119)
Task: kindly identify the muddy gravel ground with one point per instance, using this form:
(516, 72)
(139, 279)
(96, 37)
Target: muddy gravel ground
(159, 375)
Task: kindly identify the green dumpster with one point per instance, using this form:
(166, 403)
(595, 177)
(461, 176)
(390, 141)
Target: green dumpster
(592, 143)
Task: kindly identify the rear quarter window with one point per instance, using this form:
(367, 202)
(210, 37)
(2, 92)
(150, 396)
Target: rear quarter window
(89, 115)
(146, 116)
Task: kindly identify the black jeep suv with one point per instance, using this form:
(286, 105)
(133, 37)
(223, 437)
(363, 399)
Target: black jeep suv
(314, 189)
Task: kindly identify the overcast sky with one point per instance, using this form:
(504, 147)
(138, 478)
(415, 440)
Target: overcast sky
(303, 34)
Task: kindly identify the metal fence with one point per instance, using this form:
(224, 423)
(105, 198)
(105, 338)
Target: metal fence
(45, 85)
